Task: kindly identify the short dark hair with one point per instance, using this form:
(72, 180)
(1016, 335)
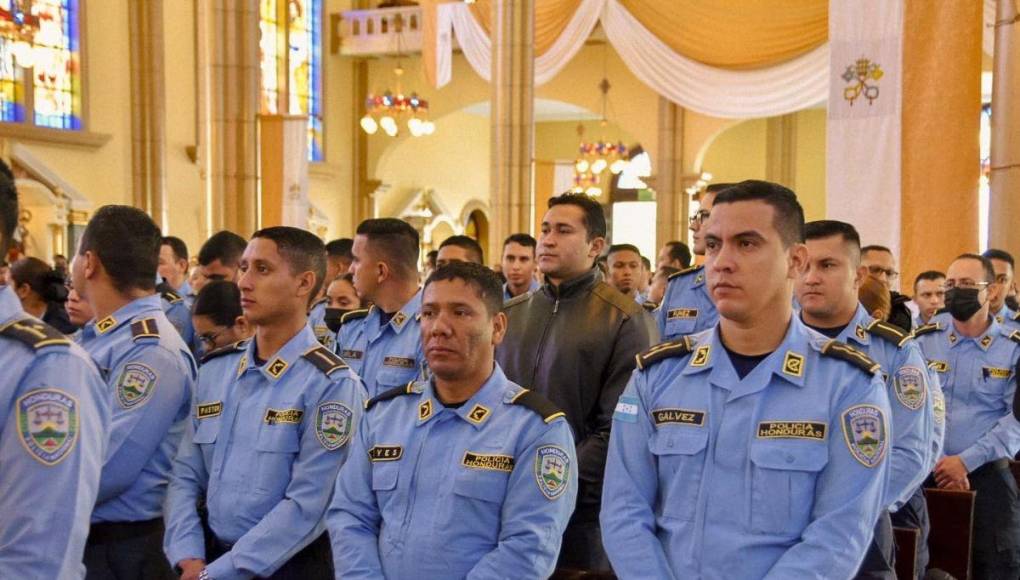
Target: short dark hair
(679, 251)
(1000, 255)
(340, 248)
(8, 209)
(646, 263)
(821, 229)
(986, 264)
(178, 246)
(593, 217)
(930, 275)
(227, 247)
(875, 248)
(431, 258)
(396, 240)
(666, 271)
(622, 248)
(466, 243)
(220, 301)
(127, 242)
(40, 277)
(485, 282)
(717, 187)
(788, 215)
(302, 250)
(521, 239)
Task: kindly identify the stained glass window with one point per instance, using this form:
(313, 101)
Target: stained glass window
(47, 62)
(291, 63)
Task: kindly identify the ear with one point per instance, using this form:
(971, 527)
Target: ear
(306, 283)
(498, 328)
(242, 325)
(382, 272)
(859, 276)
(597, 246)
(92, 265)
(22, 290)
(797, 261)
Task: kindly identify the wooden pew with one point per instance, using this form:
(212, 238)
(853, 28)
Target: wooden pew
(952, 530)
(906, 552)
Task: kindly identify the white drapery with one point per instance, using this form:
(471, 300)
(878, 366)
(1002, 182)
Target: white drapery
(787, 87)
(864, 129)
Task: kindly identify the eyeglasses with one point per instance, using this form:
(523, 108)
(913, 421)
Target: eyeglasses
(879, 270)
(965, 284)
(699, 217)
(209, 339)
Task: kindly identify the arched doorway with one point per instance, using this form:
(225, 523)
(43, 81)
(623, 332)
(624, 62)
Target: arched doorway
(477, 228)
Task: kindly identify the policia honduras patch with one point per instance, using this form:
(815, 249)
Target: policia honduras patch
(487, 461)
(864, 430)
(135, 385)
(552, 471)
(334, 423)
(48, 424)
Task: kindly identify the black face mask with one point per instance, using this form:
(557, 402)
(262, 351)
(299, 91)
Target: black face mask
(962, 303)
(333, 316)
(1012, 304)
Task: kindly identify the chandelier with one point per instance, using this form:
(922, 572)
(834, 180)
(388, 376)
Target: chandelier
(594, 157)
(19, 26)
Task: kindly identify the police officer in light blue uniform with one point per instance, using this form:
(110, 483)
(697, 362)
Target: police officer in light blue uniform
(976, 360)
(178, 311)
(466, 475)
(149, 374)
(757, 448)
(383, 343)
(317, 321)
(52, 435)
(270, 426)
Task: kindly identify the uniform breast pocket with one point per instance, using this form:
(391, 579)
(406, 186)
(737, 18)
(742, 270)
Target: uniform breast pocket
(993, 384)
(277, 447)
(206, 432)
(681, 326)
(681, 461)
(783, 483)
(477, 497)
(387, 378)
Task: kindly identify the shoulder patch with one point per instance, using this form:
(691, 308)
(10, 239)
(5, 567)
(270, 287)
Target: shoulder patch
(837, 349)
(393, 393)
(679, 347)
(890, 332)
(236, 347)
(685, 271)
(516, 300)
(926, 329)
(539, 404)
(34, 333)
(324, 360)
(171, 296)
(354, 315)
(144, 328)
(48, 423)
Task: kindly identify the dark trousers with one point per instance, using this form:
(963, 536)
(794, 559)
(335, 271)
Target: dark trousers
(582, 549)
(914, 514)
(879, 559)
(996, 546)
(127, 551)
(313, 562)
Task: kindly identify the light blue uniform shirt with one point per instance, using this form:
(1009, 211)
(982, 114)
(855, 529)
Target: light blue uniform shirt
(383, 355)
(531, 288)
(177, 308)
(263, 446)
(1008, 318)
(480, 491)
(978, 378)
(317, 321)
(686, 307)
(913, 417)
(778, 475)
(52, 443)
(149, 375)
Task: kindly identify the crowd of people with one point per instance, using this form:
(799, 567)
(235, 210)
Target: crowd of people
(280, 407)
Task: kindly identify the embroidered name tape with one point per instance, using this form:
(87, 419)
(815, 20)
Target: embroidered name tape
(791, 430)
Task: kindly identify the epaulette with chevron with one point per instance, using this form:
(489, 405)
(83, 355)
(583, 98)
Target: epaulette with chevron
(324, 360)
(927, 329)
(34, 333)
(354, 315)
(545, 408)
(235, 347)
(890, 332)
(843, 351)
(393, 393)
(144, 328)
(649, 306)
(684, 272)
(1015, 337)
(1016, 317)
(679, 347)
(170, 296)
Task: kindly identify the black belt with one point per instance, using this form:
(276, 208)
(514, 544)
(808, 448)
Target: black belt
(107, 532)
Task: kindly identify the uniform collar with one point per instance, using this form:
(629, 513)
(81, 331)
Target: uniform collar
(1004, 314)
(699, 277)
(477, 410)
(185, 289)
(531, 288)
(575, 286)
(280, 364)
(125, 314)
(406, 314)
(10, 306)
(856, 332)
(990, 336)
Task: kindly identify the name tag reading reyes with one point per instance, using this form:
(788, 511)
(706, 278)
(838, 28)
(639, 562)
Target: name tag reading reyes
(791, 430)
(385, 452)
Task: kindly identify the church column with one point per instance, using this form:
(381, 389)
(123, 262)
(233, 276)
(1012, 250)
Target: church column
(670, 187)
(511, 175)
(1004, 204)
(148, 109)
(781, 150)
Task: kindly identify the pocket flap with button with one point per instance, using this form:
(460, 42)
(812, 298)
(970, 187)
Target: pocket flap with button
(670, 441)
(384, 476)
(389, 378)
(279, 439)
(206, 431)
(486, 486)
(803, 456)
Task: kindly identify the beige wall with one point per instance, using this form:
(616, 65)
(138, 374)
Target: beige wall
(558, 140)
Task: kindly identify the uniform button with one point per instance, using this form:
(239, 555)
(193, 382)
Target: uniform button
(789, 458)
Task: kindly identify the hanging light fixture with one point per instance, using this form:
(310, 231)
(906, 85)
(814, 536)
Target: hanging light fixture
(19, 26)
(388, 110)
(594, 157)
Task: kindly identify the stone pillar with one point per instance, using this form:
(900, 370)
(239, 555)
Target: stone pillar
(513, 138)
(781, 150)
(1004, 206)
(362, 207)
(672, 203)
(148, 109)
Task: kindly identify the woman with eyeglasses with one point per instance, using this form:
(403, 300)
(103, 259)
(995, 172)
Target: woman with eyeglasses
(217, 317)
